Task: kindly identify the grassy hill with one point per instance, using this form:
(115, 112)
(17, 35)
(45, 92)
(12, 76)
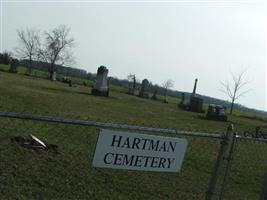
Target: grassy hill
(29, 174)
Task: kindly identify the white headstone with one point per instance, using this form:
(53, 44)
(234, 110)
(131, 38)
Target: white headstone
(54, 76)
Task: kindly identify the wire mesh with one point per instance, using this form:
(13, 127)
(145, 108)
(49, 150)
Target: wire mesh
(248, 168)
(27, 173)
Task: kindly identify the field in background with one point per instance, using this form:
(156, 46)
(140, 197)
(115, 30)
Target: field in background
(26, 174)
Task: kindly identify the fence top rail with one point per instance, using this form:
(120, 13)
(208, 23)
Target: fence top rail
(109, 125)
(246, 138)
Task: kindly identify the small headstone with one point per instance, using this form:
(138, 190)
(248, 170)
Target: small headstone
(183, 104)
(70, 83)
(54, 76)
(100, 87)
(28, 71)
(182, 99)
(154, 96)
(13, 66)
(67, 80)
(132, 86)
(143, 91)
(216, 112)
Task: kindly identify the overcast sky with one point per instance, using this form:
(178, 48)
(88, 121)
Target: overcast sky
(158, 40)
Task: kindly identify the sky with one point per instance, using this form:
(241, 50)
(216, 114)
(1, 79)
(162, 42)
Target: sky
(157, 40)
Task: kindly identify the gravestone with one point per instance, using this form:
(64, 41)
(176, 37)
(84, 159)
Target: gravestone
(216, 112)
(154, 96)
(194, 89)
(183, 104)
(196, 103)
(13, 66)
(182, 99)
(67, 80)
(54, 76)
(28, 71)
(143, 91)
(132, 86)
(100, 87)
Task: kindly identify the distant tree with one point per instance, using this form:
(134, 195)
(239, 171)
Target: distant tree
(5, 58)
(29, 41)
(56, 49)
(234, 88)
(167, 85)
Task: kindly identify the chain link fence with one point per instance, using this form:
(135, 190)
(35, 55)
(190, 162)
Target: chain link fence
(247, 169)
(215, 165)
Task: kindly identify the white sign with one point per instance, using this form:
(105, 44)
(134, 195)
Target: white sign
(122, 150)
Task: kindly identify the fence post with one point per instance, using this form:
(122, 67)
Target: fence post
(264, 187)
(229, 160)
(217, 166)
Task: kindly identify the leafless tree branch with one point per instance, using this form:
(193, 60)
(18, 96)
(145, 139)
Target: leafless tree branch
(29, 41)
(56, 48)
(233, 89)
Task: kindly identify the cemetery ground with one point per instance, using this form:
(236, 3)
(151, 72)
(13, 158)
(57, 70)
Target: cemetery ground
(30, 174)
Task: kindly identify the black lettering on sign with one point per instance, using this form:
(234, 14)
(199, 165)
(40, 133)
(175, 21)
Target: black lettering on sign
(144, 143)
(170, 161)
(153, 146)
(163, 147)
(136, 142)
(162, 162)
(154, 162)
(118, 159)
(128, 160)
(172, 146)
(116, 140)
(146, 160)
(106, 160)
(138, 161)
(126, 143)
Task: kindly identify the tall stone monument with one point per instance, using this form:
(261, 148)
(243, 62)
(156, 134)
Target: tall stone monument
(196, 103)
(100, 87)
(194, 90)
(143, 91)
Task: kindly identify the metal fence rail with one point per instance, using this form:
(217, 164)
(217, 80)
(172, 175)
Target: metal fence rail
(108, 125)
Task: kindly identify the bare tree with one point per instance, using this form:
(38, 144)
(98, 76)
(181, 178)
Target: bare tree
(29, 41)
(167, 85)
(56, 49)
(234, 88)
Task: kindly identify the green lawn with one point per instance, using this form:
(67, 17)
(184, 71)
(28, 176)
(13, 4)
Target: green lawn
(27, 174)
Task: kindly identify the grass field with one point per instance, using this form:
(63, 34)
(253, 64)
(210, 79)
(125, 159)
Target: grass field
(27, 174)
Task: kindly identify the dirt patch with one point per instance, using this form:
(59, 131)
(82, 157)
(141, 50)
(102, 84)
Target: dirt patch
(32, 142)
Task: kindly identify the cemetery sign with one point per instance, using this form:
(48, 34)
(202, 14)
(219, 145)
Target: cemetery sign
(132, 151)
